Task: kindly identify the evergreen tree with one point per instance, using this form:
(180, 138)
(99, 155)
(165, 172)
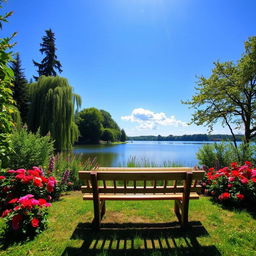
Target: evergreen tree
(123, 137)
(49, 63)
(52, 110)
(20, 93)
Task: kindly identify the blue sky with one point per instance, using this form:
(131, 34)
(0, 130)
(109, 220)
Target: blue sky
(136, 59)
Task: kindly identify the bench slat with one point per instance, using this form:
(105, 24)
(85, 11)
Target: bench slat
(140, 189)
(140, 197)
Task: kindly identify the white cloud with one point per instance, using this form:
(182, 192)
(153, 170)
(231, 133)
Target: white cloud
(150, 120)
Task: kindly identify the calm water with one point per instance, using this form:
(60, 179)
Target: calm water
(183, 153)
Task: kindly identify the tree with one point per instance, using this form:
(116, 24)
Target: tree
(123, 136)
(108, 135)
(90, 125)
(229, 95)
(6, 101)
(52, 110)
(20, 92)
(49, 63)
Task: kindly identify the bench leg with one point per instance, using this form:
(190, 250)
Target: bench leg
(97, 215)
(103, 208)
(177, 210)
(184, 217)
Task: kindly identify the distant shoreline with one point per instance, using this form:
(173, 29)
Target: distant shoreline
(193, 137)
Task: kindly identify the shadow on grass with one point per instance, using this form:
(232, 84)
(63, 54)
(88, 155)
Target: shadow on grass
(140, 239)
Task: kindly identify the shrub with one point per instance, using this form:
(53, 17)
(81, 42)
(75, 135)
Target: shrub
(235, 185)
(29, 150)
(23, 198)
(65, 166)
(218, 155)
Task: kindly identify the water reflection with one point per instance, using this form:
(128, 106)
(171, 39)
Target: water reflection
(182, 153)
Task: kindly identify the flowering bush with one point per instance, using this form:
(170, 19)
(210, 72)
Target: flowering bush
(26, 215)
(235, 184)
(24, 195)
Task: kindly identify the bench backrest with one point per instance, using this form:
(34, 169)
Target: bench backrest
(141, 180)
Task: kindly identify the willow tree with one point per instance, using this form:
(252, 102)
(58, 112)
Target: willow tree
(52, 110)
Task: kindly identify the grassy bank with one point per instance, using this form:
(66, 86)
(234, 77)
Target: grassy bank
(140, 228)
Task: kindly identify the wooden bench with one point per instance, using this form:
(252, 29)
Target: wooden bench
(179, 184)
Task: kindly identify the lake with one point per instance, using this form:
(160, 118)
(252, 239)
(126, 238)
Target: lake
(158, 152)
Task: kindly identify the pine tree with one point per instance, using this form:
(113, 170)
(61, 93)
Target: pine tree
(20, 92)
(49, 63)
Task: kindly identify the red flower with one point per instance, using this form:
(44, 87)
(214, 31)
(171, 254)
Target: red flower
(240, 196)
(2, 177)
(35, 222)
(234, 165)
(224, 196)
(20, 176)
(13, 201)
(235, 173)
(38, 182)
(16, 221)
(248, 163)
(34, 173)
(5, 212)
(253, 179)
(42, 201)
(211, 169)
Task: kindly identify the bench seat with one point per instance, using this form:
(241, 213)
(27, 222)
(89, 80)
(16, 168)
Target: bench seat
(166, 196)
(179, 184)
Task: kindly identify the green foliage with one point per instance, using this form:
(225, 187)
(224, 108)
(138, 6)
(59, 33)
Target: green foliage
(228, 95)
(73, 163)
(108, 134)
(20, 90)
(49, 62)
(90, 125)
(52, 110)
(123, 136)
(6, 101)
(97, 124)
(219, 155)
(29, 150)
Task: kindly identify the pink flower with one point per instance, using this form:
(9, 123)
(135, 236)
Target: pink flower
(26, 197)
(253, 173)
(244, 180)
(11, 171)
(230, 179)
(2, 177)
(21, 171)
(230, 185)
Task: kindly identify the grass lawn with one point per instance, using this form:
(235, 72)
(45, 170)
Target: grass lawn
(140, 228)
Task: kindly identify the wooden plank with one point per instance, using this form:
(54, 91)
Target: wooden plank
(140, 189)
(170, 196)
(84, 175)
(140, 175)
(147, 169)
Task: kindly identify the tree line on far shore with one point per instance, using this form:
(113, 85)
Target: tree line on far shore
(189, 137)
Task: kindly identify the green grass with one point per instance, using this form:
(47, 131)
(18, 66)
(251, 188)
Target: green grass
(140, 228)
